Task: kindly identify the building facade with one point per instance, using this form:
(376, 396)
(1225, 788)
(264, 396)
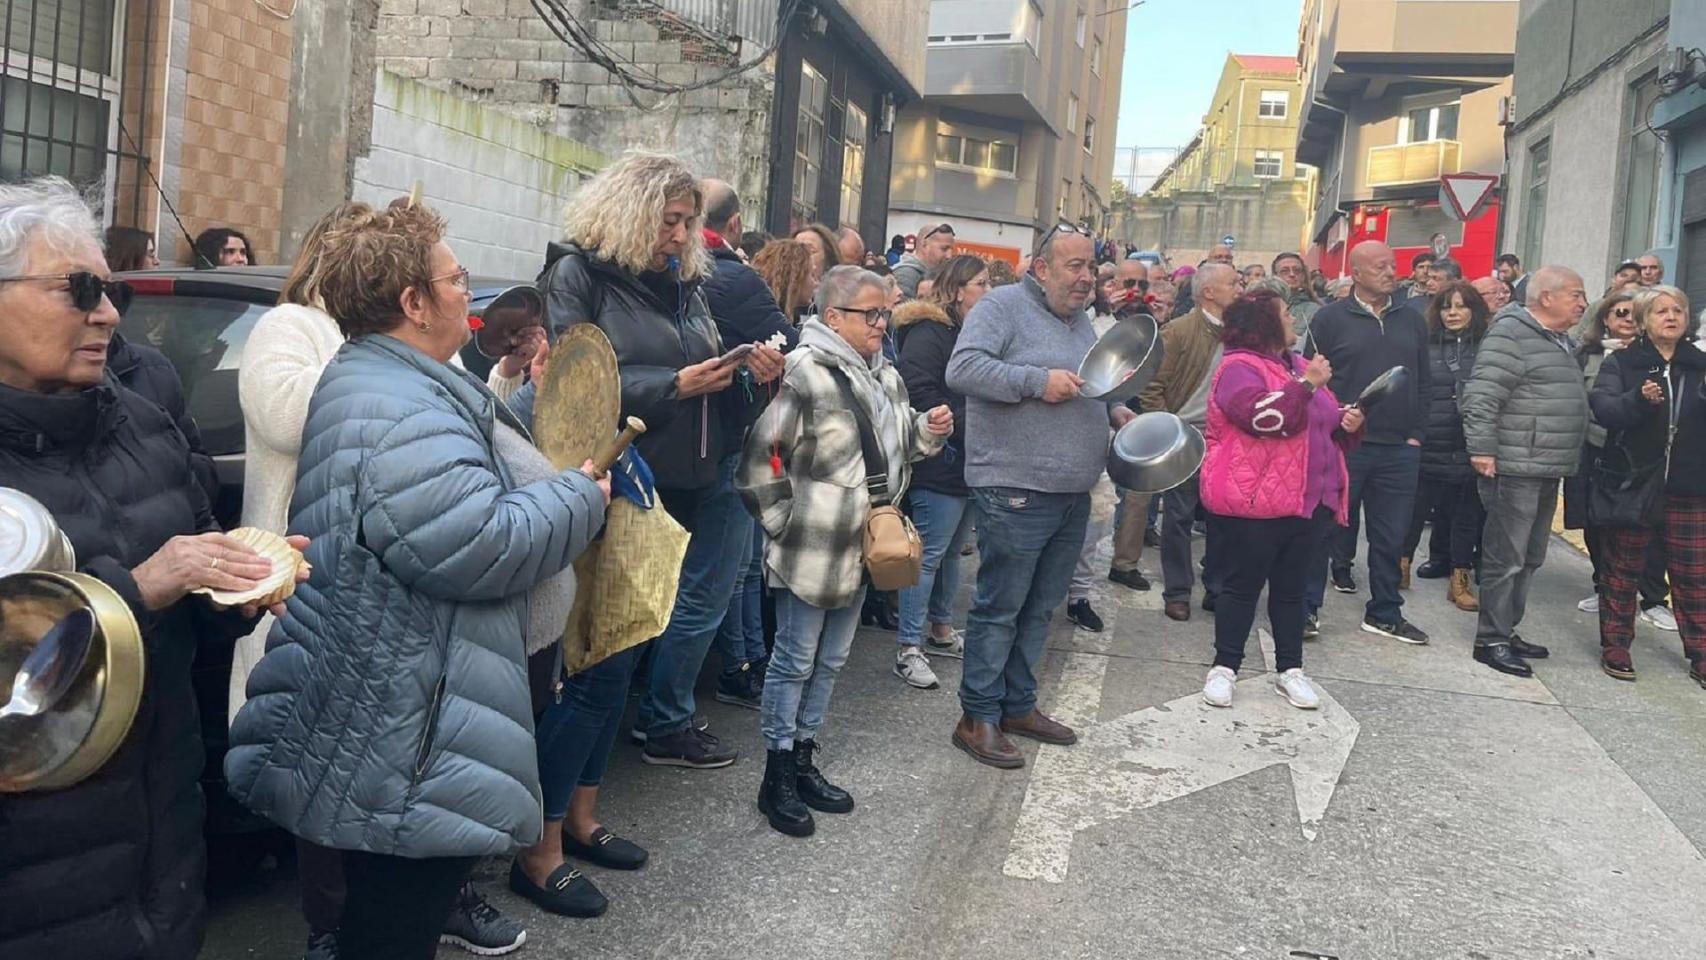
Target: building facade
(1584, 160)
(1239, 177)
(1398, 93)
(1015, 130)
(1680, 116)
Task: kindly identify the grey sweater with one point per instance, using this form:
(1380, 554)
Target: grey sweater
(1001, 363)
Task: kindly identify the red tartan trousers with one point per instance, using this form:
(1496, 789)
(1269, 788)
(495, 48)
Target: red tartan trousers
(1684, 533)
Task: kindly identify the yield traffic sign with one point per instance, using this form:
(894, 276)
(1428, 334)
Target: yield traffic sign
(1462, 195)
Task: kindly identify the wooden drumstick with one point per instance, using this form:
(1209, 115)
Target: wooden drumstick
(602, 463)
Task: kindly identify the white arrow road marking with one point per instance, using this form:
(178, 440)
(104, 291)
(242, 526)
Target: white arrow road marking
(1169, 751)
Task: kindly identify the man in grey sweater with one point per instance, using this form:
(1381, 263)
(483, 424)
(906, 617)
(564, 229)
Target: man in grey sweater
(1034, 449)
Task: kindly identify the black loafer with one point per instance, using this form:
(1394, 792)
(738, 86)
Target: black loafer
(1528, 651)
(606, 850)
(1500, 658)
(566, 892)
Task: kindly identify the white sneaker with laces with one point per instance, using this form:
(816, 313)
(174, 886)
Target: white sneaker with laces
(1217, 689)
(1589, 604)
(1297, 689)
(954, 646)
(910, 665)
(1660, 616)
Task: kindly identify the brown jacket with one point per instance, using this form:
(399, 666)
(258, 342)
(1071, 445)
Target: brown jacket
(1187, 349)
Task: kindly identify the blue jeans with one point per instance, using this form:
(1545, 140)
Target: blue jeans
(1028, 544)
(811, 647)
(740, 638)
(577, 729)
(944, 522)
(715, 554)
(1383, 489)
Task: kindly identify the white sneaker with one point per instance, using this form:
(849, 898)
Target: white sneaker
(910, 665)
(1217, 689)
(1296, 688)
(1660, 616)
(1589, 605)
(954, 646)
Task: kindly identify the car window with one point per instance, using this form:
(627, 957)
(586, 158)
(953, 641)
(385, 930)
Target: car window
(203, 337)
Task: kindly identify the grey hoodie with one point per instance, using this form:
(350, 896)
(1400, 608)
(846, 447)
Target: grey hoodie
(908, 272)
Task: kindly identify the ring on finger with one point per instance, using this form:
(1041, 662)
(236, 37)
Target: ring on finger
(215, 564)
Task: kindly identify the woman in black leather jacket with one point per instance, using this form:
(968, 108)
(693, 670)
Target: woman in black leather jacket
(1650, 480)
(1457, 320)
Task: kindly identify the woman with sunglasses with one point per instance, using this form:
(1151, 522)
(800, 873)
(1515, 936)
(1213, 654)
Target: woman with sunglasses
(391, 716)
(112, 866)
(804, 476)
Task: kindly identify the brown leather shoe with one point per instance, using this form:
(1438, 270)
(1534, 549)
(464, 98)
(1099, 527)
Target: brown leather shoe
(1038, 726)
(1179, 610)
(986, 744)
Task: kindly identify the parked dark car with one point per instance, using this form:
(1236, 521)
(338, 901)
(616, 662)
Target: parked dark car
(200, 319)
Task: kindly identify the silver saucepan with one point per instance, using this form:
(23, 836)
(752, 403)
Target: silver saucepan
(1123, 361)
(1154, 453)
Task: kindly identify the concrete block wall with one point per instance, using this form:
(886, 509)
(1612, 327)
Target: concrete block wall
(499, 181)
(235, 103)
(501, 53)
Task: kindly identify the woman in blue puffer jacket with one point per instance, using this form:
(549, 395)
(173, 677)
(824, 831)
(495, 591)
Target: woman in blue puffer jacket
(390, 718)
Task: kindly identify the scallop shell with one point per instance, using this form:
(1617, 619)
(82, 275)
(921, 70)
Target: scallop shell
(278, 586)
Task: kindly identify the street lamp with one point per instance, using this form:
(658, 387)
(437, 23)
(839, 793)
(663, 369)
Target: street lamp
(1134, 6)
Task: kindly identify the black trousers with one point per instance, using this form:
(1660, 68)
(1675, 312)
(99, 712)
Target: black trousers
(1257, 553)
(395, 906)
(1456, 510)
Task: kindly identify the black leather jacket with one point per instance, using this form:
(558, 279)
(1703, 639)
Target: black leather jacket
(684, 438)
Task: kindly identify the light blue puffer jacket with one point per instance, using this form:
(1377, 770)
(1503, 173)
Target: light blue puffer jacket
(391, 712)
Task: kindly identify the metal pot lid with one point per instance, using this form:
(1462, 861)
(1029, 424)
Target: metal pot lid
(29, 537)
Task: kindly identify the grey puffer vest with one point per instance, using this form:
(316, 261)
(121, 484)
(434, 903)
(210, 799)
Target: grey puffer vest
(391, 712)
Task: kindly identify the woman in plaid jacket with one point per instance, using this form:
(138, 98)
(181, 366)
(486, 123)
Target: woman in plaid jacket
(804, 476)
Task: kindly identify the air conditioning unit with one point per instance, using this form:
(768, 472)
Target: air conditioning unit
(1507, 111)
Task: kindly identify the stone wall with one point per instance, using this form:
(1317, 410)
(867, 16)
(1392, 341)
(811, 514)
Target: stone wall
(499, 181)
(501, 53)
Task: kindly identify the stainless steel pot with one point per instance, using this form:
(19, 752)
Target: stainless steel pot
(1123, 361)
(82, 729)
(30, 539)
(1154, 453)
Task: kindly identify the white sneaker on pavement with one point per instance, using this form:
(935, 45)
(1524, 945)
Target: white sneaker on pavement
(1297, 689)
(1217, 689)
(1589, 604)
(1660, 616)
(954, 646)
(910, 665)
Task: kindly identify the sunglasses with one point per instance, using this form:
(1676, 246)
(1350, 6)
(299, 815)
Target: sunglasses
(87, 289)
(938, 228)
(1625, 314)
(1048, 238)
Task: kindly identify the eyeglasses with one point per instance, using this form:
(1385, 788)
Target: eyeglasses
(459, 278)
(938, 228)
(87, 289)
(1059, 228)
(871, 315)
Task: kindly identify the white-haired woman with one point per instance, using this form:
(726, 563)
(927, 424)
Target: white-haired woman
(113, 866)
(804, 476)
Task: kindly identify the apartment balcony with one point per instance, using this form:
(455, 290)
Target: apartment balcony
(997, 79)
(1401, 164)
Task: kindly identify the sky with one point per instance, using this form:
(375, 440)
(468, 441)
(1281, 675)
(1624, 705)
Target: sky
(1174, 53)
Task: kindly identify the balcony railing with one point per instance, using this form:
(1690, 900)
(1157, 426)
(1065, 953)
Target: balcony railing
(1403, 163)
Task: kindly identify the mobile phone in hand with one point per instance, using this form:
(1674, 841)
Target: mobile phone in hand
(736, 355)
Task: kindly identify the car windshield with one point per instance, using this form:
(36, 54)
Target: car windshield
(203, 337)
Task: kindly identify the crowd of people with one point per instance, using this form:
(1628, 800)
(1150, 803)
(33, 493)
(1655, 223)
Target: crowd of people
(408, 711)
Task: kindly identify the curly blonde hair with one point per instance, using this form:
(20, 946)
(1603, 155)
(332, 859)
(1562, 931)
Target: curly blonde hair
(786, 267)
(615, 216)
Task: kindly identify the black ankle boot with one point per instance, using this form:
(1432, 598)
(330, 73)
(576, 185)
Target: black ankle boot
(818, 793)
(778, 798)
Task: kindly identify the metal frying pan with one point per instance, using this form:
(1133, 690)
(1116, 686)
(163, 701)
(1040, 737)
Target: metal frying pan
(507, 320)
(1123, 360)
(579, 406)
(1382, 387)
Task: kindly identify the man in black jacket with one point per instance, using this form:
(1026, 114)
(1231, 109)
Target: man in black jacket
(1363, 336)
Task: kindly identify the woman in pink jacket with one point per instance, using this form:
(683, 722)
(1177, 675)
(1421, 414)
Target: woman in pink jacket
(1274, 484)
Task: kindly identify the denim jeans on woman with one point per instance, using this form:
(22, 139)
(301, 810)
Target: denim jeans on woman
(811, 648)
(1028, 544)
(579, 726)
(740, 640)
(943, 521)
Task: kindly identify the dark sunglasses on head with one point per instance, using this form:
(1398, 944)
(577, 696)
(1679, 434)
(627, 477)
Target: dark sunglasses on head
(1048, 238)
(86, 290)
(938, 228)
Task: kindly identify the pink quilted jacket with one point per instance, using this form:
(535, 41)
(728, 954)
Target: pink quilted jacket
(1263, 475)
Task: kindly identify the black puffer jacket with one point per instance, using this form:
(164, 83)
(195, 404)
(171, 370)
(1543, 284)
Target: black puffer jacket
(1636, 428)
(684, 438)
(1444, 455)
(927, 335)
(745, 311)
(146, 370)
(113, 868)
